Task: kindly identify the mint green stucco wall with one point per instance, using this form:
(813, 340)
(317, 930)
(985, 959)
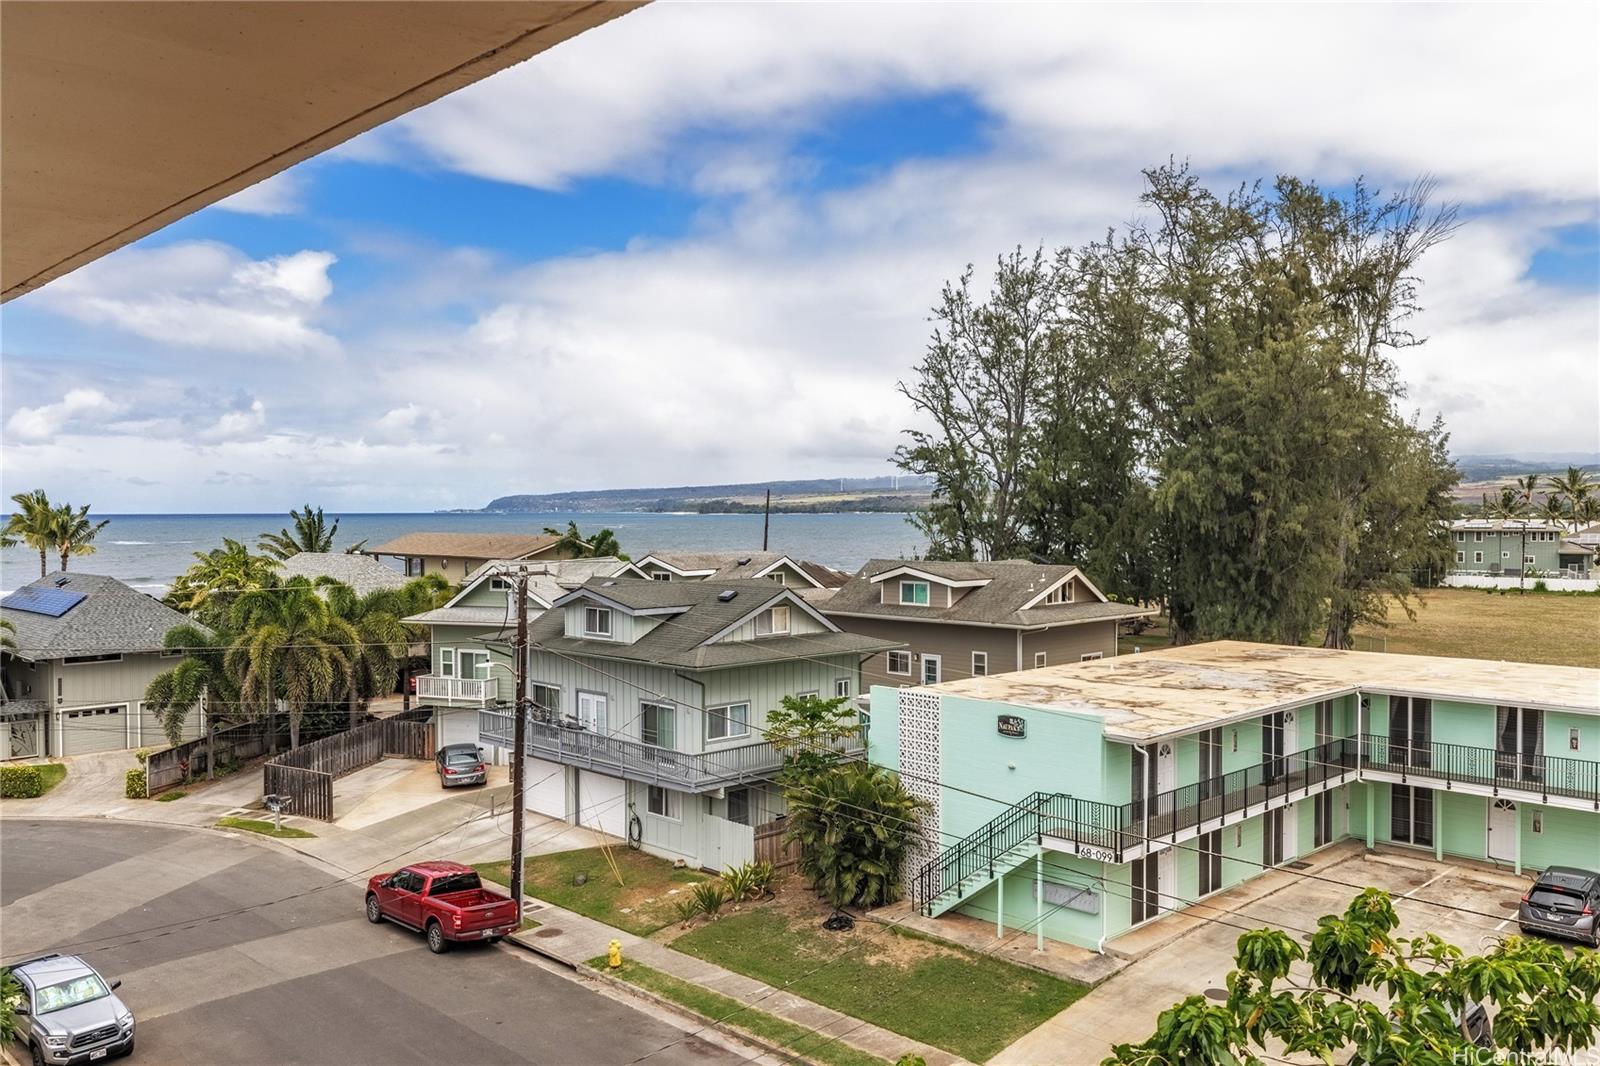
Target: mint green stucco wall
(1471, 724)
(1248, 745)
(1558, 727)
(1566, 838)
(1241, 851)
(883, 729)
(1022, 912)
(1463, 824)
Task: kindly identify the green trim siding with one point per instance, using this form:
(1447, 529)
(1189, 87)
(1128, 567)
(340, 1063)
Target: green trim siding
(1566, 838)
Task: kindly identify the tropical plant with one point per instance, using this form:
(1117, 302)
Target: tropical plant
(762, 876)
(8, 642)
(228, 569)
(1385, 998)
(292, 652)
(687, 909)
(809, 729)
(1575, 486)
(311, 533)
(854, 822)
(709, 896)
(600, 544)
(34, 523)
(10, 998)
(75, 532)
(738, 880)
(201, 674)
(1586, 510)
(381, 638)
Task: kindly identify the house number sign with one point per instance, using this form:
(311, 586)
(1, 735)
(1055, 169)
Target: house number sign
(1010, 725)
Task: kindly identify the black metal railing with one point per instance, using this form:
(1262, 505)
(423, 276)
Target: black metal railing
(1546, 775)
(567, 743)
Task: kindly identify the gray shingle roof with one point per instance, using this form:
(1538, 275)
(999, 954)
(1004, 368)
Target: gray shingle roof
(552, 578)
(111, 618)
(680, 640)
(741, 565)
(362, 573)
(468, 616)
(1011, 584)
(467, 545)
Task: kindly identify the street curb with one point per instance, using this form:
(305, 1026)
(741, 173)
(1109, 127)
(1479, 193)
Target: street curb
(528, 944)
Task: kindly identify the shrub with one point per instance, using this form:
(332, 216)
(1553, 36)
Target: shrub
(762, 875)
(738, 880)
(854, 824)
(709, 896)
(688, 909)
(133, 785)
(24, 781)
(1540, 586)
(911, 1058)
(142, 754)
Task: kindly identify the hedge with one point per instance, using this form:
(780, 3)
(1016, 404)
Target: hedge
(133, 786)
(23, 781)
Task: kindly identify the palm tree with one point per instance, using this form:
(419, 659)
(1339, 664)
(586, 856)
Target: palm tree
(8, 633)
(1554, 510)
(201, 674)
(1586, 510)
(381, 639)
(1575, 485)
(228, 569)
(34, 524)
(578, 546)
(292, 652)
(75, 533)
(311, 534)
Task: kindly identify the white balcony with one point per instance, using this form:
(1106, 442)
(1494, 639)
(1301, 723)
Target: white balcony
(468, 691)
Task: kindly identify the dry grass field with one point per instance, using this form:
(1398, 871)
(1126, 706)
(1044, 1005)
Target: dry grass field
(1475, 624)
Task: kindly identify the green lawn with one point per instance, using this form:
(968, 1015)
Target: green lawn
(52, 774)
(640, 904)
(764, 1026)
(174, 794)
(251, 825)
(973, 1005)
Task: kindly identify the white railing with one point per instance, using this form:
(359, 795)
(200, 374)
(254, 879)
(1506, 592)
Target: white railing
(466, 689)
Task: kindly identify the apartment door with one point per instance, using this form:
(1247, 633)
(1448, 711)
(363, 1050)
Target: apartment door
(932, 669)
(1274, 848)
(1519, 743)
(1145, 883)
(1272, 749)
(1502, 831)
(1322, 820)
(592, 711)
(1411, 731)
(1165, 880)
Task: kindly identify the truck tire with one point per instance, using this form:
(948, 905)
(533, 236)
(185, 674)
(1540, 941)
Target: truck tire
(436, 941)
(37, 1052)
(374, 912)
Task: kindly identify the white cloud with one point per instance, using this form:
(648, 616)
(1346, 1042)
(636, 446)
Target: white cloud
(281, 194)
(78, 406)
(203, 295)
(237, 424)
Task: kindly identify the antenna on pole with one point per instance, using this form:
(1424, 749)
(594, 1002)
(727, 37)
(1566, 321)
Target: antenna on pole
(766, 521)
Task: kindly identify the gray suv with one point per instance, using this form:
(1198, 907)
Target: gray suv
(1564, 901)
(68, 1013)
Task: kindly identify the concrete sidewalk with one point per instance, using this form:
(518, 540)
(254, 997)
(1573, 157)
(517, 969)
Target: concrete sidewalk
(572, 939)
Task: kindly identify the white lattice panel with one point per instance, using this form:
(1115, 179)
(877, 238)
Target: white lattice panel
(919, 770)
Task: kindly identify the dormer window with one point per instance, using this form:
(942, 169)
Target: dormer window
(914, 593)
(772, 623)
(1062, 593)
(597, 622)
(776, 576)
(661, 575)
(500, 584)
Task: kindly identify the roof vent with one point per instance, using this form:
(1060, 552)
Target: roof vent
(745, 561)
(61, 581)
(726, 595)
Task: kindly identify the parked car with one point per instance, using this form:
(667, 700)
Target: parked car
(1563, 902)
(68, 1013)
(443, 900)
(460, 764)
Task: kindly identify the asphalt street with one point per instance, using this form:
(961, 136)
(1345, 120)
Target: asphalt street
(230, 951)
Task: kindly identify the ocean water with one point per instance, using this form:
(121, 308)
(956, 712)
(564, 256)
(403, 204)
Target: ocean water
(149, 551)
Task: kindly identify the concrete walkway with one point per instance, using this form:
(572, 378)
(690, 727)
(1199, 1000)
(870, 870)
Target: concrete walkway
(573, 939)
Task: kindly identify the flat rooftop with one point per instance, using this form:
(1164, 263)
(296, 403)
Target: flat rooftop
(1175, 690)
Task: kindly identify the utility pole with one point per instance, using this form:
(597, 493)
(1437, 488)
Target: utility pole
(519, 743)
(766, 521)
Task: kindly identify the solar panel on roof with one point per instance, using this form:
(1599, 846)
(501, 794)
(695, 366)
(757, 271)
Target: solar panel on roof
(52, 603)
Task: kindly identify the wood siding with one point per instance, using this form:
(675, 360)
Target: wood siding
(954, 644)
(1069, 644)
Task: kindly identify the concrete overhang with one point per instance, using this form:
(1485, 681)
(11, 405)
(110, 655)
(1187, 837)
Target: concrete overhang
(122, 117)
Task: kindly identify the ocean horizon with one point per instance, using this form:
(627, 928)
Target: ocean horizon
(148, 551)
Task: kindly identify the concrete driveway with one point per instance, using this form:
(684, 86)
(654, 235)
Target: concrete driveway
(232, 951)
(1184, 954)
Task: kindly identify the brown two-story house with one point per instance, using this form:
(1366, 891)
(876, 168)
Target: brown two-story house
(971, 619)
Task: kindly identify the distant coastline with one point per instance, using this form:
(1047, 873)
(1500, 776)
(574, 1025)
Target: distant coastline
(881, 495)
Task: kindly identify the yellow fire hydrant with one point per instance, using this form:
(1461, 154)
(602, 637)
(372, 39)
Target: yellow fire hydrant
(614, 955)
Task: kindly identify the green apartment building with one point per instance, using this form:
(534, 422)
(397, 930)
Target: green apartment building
(1495, 546)
(1089, 798)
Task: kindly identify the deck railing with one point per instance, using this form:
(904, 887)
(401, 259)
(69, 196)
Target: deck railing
(466, 689)
(1546, 775)
(572, 745)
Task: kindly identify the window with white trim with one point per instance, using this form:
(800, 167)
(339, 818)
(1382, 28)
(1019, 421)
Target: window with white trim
(447, 662)
(1477, 557)
(1038, 659)
(728, 722)
(841, 688)
(914, 593)
(500, 584)
(83, 660)
(899, 662)
(597, 621)
(1089, 655)
(1505, 554)
(1461, 537)
(1477, 536)
(774, 622)
(1062, 593)
(657, 722)
(661, 575)
(1461, 557)
(546, 700)
(1527, 560)
(663, 803)
(776, 575)
(980, 664)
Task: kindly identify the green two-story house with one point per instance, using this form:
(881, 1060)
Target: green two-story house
(649, 708)
(1089, 798)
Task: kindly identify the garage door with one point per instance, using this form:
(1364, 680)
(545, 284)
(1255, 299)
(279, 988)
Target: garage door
(602, 803)
(545, 790)
(93, 729)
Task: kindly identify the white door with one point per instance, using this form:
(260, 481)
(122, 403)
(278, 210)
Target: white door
(1291, 733)
(1166, 769)
(603, 803)
(1502, 830)
(592, 711)
(1165, 880)
(545, 791)
(1290, 840)
(932, 669)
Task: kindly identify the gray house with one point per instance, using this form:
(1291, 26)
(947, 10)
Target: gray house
(1509, 546)
(87, 646)
(651, 700)
(738, 566)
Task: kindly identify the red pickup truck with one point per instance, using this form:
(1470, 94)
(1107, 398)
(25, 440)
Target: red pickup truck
(445, 900)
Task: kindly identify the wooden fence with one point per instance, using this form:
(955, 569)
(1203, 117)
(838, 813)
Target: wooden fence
(173, 766)
(306, 774)
(771, 847)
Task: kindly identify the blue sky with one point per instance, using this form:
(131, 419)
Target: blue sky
(699, 243)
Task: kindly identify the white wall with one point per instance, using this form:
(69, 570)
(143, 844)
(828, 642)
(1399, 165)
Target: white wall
(1554, 584)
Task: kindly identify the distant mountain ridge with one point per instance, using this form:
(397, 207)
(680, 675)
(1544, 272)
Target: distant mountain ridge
(813, 494)
(1480, 467)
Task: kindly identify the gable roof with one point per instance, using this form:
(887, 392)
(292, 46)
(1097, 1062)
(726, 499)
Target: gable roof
(112, 618)
(1002, 599)
(548, 581)
(362, 573)
(741, 565)
(468, 545)
(692, 614)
